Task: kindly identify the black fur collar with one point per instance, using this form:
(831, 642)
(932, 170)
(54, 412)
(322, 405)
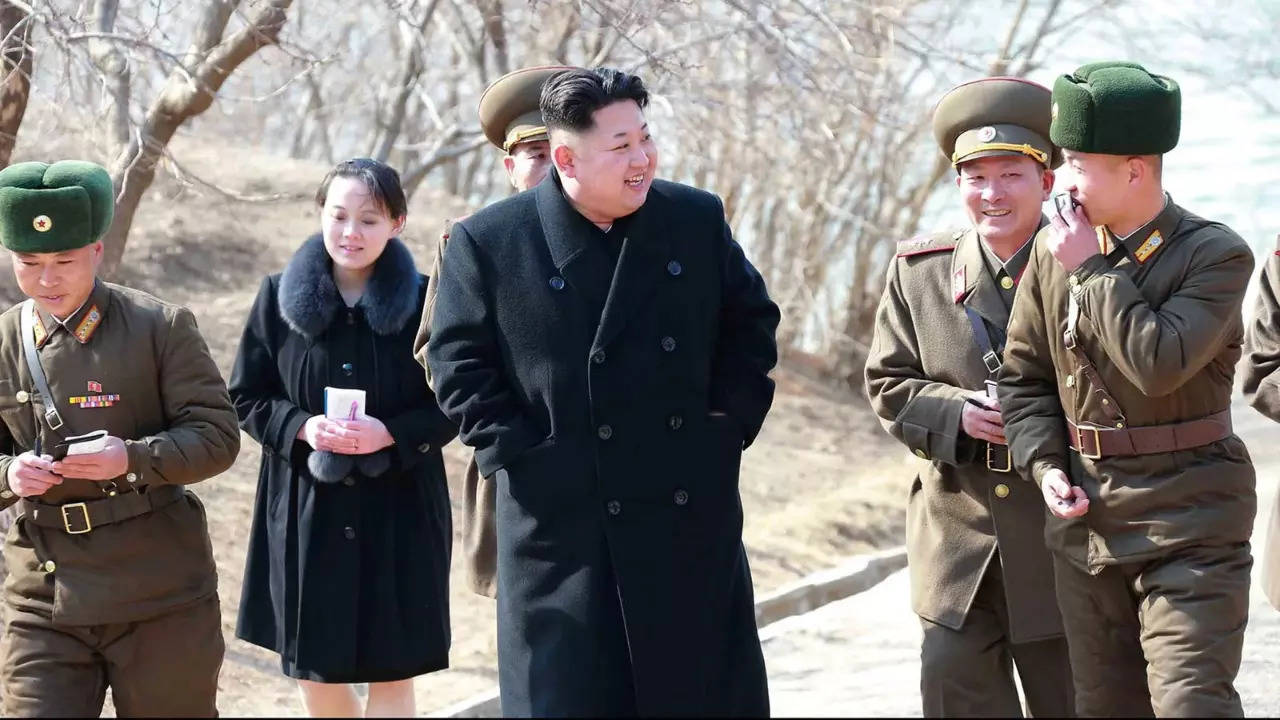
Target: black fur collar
(309, 298)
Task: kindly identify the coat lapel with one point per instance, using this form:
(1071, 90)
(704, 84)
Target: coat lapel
(646, 252)
(561, 226)
(973, 285)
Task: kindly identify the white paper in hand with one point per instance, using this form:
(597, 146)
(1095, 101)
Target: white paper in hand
(344, 404)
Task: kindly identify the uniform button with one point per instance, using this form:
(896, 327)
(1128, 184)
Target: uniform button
(556, 283)
(348, 482)
(682, 497)
(604, 432)
(614, 507)
(920, 454)
(424, 448)
(351, 318)
(675, 268)
(1119, 426)
(131, 477)
(349, 532)
(1002, 490)
(1072, 280)
(1071, 381)
(597, 357)
(675, 422)
(348, 368)
(1006, 282)
(6, 494)
(50, 566)
(669, 343)
(1106, 401)
(22, 396)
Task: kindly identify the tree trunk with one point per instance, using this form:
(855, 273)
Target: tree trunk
(213, 60)
(16, 58)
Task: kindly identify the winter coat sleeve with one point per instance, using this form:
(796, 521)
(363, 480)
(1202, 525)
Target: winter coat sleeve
(466, 362)
(1033, 416)
(200, 439)
(1261, 381)
(746, 349)
(922, 413)
(263, 406)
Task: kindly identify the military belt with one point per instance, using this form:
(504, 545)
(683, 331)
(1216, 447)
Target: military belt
(78, 518)
(1095, 442)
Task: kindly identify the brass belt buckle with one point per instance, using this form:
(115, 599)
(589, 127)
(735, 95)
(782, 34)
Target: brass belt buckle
(1008, 459)
(1097, 443)
(66, 519)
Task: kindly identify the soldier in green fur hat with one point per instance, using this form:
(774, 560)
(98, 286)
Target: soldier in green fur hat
(107, 528)
(1116, 392)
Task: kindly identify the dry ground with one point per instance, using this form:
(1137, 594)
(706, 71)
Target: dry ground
(822, 482)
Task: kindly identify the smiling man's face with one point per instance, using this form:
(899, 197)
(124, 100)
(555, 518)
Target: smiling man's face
(1003, 196)
(59, 282)
(611, 165)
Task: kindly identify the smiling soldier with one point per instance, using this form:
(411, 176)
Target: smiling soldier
(112, 581)
(605, 347)
(981, 578)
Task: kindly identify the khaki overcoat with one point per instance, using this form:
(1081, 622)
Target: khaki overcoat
(1262, 388)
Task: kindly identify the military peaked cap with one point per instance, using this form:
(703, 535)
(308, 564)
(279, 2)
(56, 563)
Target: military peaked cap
(509, 111)
(995, 116)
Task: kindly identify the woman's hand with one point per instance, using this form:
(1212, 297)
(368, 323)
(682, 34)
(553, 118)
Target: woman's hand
(321, 433)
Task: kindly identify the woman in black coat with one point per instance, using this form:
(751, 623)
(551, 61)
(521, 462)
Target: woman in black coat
(347, 573)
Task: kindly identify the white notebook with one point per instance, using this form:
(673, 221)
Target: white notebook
(344, 404)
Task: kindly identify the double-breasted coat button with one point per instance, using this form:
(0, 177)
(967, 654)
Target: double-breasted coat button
(675, 422)
(604, 432)
(349, 482)
(22, 396)
(1002, 490)
(556, 283)
(348, 368)
(424, 448)
(597, 357)
(614, 507)
(349, 532)
(675, 268)
(50, 566)
(682, 497)
(132, 477)
(669, 343)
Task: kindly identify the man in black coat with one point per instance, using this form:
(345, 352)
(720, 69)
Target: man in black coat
(605, 346)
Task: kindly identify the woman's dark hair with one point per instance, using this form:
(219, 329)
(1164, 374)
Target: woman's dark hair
(381, 179)
(570, 97)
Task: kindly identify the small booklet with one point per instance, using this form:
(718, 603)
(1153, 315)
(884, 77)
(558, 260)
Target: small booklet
(344, 404)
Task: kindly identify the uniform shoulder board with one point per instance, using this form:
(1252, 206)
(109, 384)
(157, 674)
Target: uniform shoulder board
(929, 243)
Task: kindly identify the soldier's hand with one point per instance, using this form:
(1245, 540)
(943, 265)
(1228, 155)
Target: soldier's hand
(29, 475)
(983, 423)
(111, 461)
(1071, 238)
(1064, 499)
(368, 435)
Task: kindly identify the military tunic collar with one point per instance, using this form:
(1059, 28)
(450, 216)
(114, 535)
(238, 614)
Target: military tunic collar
(82, 323)
(1146, 241)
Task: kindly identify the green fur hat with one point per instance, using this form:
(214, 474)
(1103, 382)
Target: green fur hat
(51, 208)
(1115, 108)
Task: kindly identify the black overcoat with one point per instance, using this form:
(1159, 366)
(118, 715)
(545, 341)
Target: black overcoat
(347, 580)
(615, 440)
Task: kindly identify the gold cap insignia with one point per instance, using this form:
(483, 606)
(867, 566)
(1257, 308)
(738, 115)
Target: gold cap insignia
(986, 134)
(42, 223)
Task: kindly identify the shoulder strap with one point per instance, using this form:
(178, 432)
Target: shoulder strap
(990, 356)
(27, 328)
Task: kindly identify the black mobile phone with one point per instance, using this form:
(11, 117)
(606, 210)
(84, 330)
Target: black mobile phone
(1063, 201)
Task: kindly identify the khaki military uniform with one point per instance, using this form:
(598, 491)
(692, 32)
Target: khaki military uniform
(1262, 388)
(121, 589)
(1136, 348)
(981, 578)
(479, 493)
